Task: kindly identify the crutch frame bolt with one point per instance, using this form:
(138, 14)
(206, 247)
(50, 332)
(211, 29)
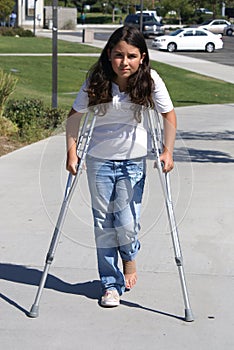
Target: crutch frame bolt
(179, 261)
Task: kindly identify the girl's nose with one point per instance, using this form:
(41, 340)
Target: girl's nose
(125, 60)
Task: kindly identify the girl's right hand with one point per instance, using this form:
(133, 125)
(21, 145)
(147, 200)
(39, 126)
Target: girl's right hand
(72, 162)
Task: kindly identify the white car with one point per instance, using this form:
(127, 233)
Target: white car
(189, 39)
(216, 26)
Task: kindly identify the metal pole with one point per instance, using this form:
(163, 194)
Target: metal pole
(55, 54)
(141, 16)
(223, 8)
(34, 17)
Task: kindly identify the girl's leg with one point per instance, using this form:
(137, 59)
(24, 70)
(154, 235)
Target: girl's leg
(127, 205)
(101, 178)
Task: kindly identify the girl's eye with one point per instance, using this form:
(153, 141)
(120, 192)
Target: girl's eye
(119, 55)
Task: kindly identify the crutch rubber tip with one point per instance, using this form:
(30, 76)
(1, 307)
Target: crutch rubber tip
(189, 315)
(34, 312)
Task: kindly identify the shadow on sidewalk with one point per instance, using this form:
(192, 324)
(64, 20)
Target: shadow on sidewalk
(226, 135)
(207, 155)
(201, 156)
(31, 276)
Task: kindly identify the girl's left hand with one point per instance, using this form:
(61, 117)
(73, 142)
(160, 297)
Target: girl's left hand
(167, 160)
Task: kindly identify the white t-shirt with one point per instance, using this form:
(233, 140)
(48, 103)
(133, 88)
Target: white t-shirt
(117, 135)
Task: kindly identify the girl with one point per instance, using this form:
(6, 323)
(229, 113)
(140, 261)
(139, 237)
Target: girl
(122, 85)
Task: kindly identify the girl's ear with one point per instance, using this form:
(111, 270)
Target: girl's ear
(142, 57)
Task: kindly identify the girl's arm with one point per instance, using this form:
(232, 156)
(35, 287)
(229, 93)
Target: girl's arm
(72, 130)
(169, 127)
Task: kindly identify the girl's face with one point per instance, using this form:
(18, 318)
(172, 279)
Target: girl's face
(125, 60)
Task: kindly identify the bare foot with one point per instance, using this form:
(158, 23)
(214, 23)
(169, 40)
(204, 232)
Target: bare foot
(130, 280)
(129, 269)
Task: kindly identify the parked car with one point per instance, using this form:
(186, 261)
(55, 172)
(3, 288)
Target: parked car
(229, 30)
(216, 26)
(203, 10)
(149, 24)
(151, 13)
(189, 39)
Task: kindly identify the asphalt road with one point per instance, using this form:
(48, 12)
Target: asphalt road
(224, 56)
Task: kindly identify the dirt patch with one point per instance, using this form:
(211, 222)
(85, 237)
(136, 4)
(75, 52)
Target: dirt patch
(7, 145)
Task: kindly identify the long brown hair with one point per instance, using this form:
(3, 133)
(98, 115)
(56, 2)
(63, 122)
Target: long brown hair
(101, 74)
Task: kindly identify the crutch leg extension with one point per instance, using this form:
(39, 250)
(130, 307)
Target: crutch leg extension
(82, 147)
(157, 142)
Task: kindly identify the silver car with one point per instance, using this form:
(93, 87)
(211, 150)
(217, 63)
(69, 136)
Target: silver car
(216, 26)
(229, 30)
(150, 27)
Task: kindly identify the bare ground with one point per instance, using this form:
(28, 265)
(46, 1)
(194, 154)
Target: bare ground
(7, 145)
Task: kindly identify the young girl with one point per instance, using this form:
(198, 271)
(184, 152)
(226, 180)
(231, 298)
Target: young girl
(122, 84)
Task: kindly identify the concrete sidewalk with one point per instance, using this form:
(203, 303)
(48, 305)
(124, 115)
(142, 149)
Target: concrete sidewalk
(151, 315)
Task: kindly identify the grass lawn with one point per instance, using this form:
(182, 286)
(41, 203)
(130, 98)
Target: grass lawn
(41, 45)
(187, 88)
(35, 77)
(35, 74)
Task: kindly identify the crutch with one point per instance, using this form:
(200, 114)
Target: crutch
(82, 147)
(157, 143)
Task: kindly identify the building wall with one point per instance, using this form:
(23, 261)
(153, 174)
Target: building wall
(25, 13)
(67, 17)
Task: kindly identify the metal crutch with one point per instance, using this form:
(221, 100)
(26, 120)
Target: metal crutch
(157, 141)
(82, 147)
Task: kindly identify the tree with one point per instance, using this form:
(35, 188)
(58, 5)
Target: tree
(6, 7)
(183, 8)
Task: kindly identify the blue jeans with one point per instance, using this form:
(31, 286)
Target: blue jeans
(116, 189)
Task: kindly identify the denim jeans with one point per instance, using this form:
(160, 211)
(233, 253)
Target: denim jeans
(116, 189)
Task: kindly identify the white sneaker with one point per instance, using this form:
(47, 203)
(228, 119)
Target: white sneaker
(110, 298)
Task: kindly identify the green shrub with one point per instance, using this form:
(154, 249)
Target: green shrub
(34, 120)
(53, 118)
(14, 31)
(102, 19)
(25, 112)
(7, 127)
(7, 87)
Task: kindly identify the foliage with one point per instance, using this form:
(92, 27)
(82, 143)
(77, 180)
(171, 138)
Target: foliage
(7, 87)
(7, 127)
(185, 9)
(101, 19)
(6, 6)
(33, 119)
(182, 8)
(15, 31)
